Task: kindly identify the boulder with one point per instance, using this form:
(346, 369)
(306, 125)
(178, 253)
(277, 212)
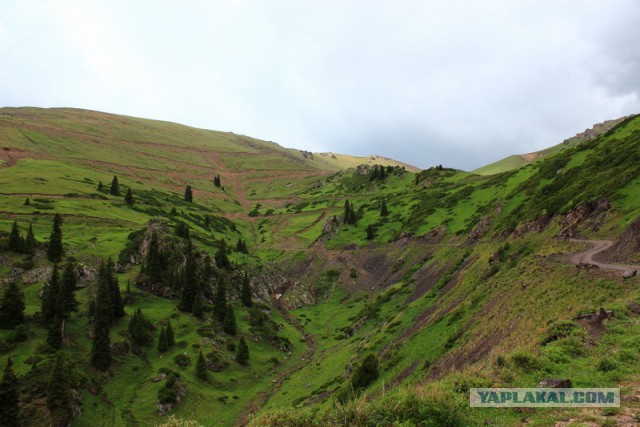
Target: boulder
(629, 274)
(555, 383)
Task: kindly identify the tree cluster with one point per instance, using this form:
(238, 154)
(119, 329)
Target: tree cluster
(58, 302)
(379, 173)
(350, 216)
(22, 244)
(241, 247)
(166, 340)
(140, 329)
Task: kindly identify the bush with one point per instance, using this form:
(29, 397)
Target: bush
(558, 330)
(182, 360)
(606, 364)
(524, 360)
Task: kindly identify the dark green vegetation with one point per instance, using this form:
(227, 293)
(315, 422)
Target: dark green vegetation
(228, 280)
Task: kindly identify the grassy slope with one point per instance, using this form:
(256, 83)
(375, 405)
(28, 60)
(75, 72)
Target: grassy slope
(420, 326)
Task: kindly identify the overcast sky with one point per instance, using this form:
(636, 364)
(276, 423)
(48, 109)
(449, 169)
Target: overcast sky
(458, 83)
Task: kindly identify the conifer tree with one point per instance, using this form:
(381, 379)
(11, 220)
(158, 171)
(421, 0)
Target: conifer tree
(9, 394)
(55, 251)
(15, 239)
(117, 305)
(220, 301)
(30, 242)
(54, 336)
(27, 202)
(229, 325)
(371, 234)
(114, 190)
(100, 187)
(155, 265)
(198, 307)
(163, 344)
(49, 296)
(101, 347)
(65, 300)
(12, 306)
(216, 181)
(245, 293)
(190, 287)
(58, 396)
(242, 355)
(139, 329)
(383, 209)
(221, 256)
(171, 341)
(128, 198)
(188, 194)
(201, 368)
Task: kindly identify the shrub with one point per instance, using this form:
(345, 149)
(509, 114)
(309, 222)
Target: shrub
(182, 360)
(606, 364)
(558, 330)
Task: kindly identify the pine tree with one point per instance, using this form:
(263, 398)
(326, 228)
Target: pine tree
(55, 251)
(229, 325)
(65, 300)
(12, 306)
(242, 355)
(201, 368)
(198, 307)
(155, 263)
(100, 187)
(383, 209)
(220, 301)
(101, 348)
(171, 341)
(9, 395)
(371, 234)
(190, 288)
(163, 344)
(58, 396)
(30, 242)
(49, 296)
(139, 329)
(221, 256)
(114, 190)
(389, 169)
(27, 202)
(117, 305)
(128, 198)
(245, 294)
(15, 239)
(188, 194)
(54, 336)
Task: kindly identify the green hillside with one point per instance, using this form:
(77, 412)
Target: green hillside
(379, 294)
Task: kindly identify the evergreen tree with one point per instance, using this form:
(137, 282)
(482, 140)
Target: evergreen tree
(15, 239)
(201, 368)
(182, 230)
(100, 187)
(50, 295)
(115, 187)
(101, 347)
(54, 336)
(371, 234)
(58, 396)
(139, 329)
(55, 251)
(117, 305)
(349, 214)
(128, 198)
(155, 265)
(198, 307)
(163, 344)
(216, 181)
(190, 287)
(221, 256)
(12, 306)
(229, 325)
(27, 202)
(9, 394)
(383, 209)
(188, 194)
(245, 293)
(220, 301)
(171, 341)
(30, 242)
(389, 170)
(65, 300)
(242, 355)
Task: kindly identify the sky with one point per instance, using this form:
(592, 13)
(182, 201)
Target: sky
(457, 83)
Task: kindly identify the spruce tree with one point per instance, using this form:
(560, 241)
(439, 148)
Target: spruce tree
(221, 256)
(115, 187)
(216, 181)
(198, 307)
(242, 355)
(54, 336)
(101, 347)
(100, 187)
(245, 293)
(128, 198)
(139, 329)
(12, 306)
(229, 325)
(58, 396)
(163, 344)
(190, 288)
(171, 340)
(201, 368)
(371, 234)
(9, 395)
(155, 263)
(220, 301)
(15, 239)
(27, 202)
(383, 209)
(188, 194)
(65, 300)
(55, 251)
(30, 242)
(50, 295)
(117, 305)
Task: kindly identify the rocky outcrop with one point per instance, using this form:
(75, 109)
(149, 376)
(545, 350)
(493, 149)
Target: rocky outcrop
(627, 247)
(479, 230)
(536, 226)
(587, 215)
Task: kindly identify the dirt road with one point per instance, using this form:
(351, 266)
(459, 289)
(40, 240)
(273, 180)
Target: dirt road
(598, 247)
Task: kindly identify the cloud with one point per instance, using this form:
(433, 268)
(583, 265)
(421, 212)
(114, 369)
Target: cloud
(459, 83)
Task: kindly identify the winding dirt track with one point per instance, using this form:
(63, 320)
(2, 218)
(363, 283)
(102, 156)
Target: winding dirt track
(598, 247)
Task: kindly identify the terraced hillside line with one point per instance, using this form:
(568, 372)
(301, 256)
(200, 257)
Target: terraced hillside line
(598, 247)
